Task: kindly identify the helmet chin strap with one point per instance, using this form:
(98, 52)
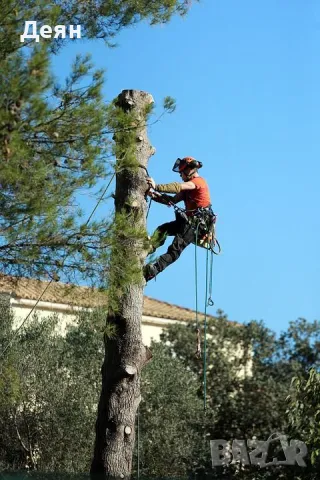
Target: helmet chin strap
(191, 174)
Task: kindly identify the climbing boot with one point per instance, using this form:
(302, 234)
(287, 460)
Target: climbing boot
(150, 271)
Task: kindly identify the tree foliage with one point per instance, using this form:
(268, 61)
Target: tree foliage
(49, 151)
(304, 411)
(171, 416)
(248, 381)
(48, 423)
(56, 139)
(104, 18)
(49, 388)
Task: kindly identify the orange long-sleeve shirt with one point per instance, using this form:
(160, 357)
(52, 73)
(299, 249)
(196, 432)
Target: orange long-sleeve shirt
(199, 197)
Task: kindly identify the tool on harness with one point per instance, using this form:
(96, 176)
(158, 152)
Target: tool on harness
(204, 220)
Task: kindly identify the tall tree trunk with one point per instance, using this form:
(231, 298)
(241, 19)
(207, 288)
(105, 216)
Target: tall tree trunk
(125, 355)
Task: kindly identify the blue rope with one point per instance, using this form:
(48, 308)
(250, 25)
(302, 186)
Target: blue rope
(205, 318)
(205, 339)
(196, 274)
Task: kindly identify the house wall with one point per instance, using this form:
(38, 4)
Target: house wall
(152, 327)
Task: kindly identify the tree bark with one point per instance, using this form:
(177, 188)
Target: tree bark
(125, 355)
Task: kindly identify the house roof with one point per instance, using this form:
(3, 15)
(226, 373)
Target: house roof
(58, 292)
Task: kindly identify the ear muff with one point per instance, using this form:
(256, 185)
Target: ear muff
(194, 164)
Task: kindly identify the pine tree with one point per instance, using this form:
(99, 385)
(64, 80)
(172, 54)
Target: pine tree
(49, 150)
(105, 18)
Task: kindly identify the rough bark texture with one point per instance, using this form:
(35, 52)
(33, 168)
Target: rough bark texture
(125, 354)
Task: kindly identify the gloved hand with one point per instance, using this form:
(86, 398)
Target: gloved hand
(160, 198)
(152, 194)
(151, 182)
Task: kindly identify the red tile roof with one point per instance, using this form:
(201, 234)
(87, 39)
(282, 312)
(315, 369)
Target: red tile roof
(57, 292)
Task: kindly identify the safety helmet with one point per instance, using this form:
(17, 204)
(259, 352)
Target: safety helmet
(186, 162)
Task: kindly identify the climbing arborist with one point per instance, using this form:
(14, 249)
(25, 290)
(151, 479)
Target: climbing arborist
(194, 191)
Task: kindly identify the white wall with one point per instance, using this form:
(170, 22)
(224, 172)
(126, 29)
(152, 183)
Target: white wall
(151, 327)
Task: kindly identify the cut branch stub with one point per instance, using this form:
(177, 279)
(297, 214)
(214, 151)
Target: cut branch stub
(130, 370)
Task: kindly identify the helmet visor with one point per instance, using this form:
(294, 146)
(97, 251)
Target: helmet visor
(178, 166)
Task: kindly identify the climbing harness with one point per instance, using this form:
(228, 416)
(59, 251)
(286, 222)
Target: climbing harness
(202, 219)
(205, 219)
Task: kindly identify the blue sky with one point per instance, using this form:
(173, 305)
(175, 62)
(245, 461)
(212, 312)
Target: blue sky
(246, 79)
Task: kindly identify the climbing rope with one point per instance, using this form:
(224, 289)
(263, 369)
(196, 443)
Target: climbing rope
(198, 352)
(205, 339)
(149, 206)
(208, 302)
